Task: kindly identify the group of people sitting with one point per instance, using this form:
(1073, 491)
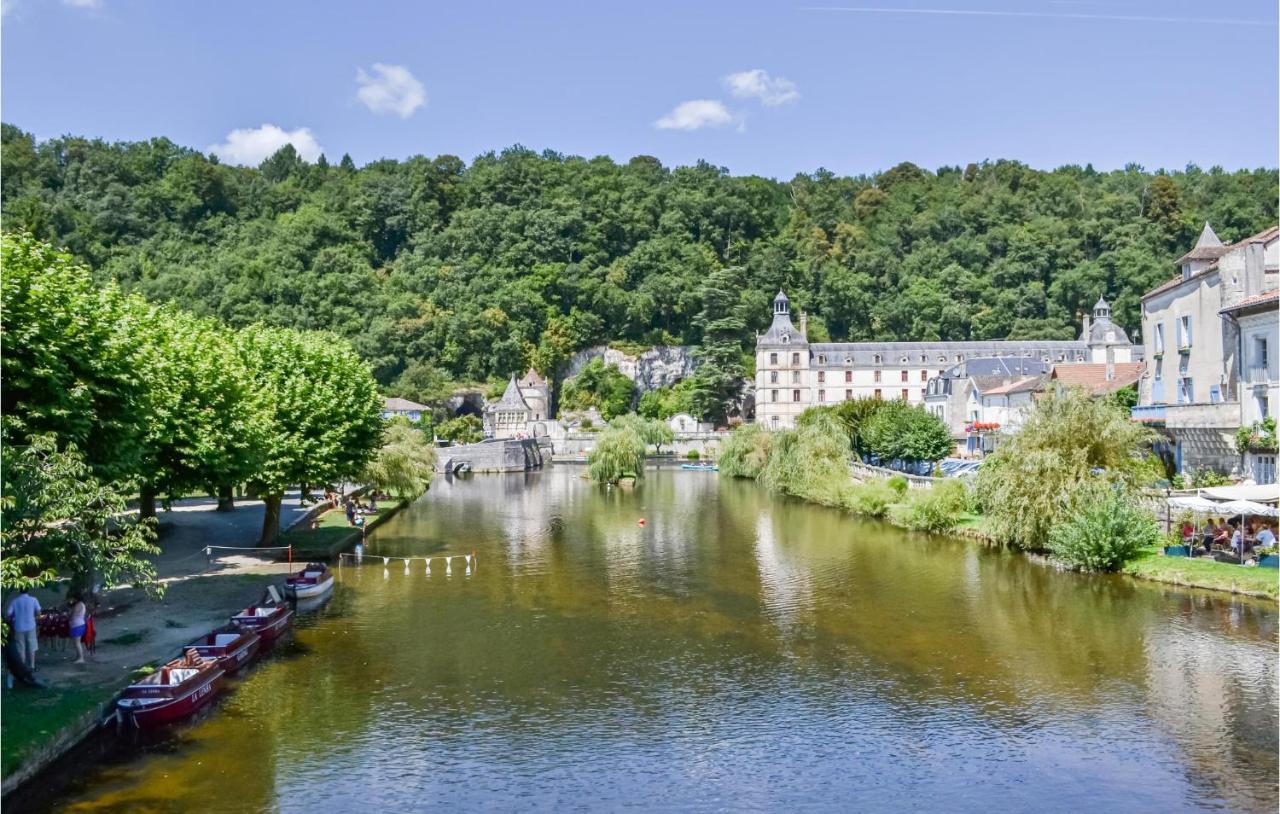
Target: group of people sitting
(1223, 534)
(356, 508)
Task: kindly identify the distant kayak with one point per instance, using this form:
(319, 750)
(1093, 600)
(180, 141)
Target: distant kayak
(701, 467)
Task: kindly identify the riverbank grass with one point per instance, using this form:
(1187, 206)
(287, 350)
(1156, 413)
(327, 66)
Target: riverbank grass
(34, 719)
(1194, 573)
(332, 532)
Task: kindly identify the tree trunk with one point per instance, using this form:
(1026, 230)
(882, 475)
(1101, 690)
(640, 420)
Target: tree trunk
(303, 497)
(271, 518)
(147, 502)
(251, 491)
(226, 498)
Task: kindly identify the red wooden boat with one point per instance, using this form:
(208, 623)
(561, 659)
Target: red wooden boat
(268, 621)
(233, 646)
(176, 690)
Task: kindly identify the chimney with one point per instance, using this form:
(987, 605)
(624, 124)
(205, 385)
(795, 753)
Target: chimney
(1085, 336)
(804, 325)
(1111, 364)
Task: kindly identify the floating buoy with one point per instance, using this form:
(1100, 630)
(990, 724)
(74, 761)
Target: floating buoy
(428, 566)
(642, 521)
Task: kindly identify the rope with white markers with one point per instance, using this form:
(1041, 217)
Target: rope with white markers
(469, 559)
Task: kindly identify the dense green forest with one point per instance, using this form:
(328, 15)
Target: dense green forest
(438, 271)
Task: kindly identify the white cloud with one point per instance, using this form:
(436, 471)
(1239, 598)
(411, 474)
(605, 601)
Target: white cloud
(757, 84)
(250, 146)
(83, 3)
(391, 90)
(695, 115)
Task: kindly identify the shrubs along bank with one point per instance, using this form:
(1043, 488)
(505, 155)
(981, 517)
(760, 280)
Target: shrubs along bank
(1064, 484)
(107, 395)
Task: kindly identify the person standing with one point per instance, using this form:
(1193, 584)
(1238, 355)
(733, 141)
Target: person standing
(78, 625)
(22, 614)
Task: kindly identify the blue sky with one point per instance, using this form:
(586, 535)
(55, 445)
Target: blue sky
(1048, 82)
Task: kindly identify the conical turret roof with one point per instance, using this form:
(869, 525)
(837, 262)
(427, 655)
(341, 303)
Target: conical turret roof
(1208, 246)
(511, 399)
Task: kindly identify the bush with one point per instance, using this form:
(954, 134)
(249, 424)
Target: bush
(618, 453)
(899, 432)
(811, 462)
(938, 508)
(1102, 529)
(1023, 486)
(899, 484)
(465, 429)
(601, 386)
(746, 452)
(872, 498)
(692, 455)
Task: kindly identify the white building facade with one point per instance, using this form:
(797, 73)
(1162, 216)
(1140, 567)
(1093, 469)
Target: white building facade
(1210, 339)
(793, 374)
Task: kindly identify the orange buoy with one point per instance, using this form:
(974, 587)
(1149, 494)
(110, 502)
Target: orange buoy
(642, 521)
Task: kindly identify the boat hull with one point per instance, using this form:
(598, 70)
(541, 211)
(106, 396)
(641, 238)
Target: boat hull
(309, 589)
(233, 657)
(145, 712)
(268, 628)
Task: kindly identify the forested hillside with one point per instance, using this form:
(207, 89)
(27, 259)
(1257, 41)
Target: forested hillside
(457, 272)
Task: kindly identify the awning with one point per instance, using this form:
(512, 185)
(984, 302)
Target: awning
(1199, 505)
(1264, 493)
(1248, 507)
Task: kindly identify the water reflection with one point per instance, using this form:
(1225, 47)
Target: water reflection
(735, 651)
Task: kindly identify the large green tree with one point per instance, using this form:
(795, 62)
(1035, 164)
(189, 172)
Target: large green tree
(323, 410)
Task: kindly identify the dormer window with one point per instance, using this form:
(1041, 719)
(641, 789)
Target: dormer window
(822, 360)
(877, 358)
(786, 339)
(848, 360)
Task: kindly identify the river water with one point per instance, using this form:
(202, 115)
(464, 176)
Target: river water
(736, 652)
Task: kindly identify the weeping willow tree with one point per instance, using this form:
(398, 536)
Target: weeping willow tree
(618, 454)
(745, 452)
(811, 462)
(404, 464)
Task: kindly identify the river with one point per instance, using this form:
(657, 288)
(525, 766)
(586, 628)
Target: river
(735, 652)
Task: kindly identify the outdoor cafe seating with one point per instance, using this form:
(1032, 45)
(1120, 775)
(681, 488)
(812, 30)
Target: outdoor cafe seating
(1240, 505)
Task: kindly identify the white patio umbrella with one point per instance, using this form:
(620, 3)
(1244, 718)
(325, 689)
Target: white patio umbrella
(1247, 507)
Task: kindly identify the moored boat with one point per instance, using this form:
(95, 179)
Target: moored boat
(313, 580)
(233, 646)
(701, 467)
(176, 690)
(268, 621)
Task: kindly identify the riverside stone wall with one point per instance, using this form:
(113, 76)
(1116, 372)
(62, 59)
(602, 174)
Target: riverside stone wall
(511, 455)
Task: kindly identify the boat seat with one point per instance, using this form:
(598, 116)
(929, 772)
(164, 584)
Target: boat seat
(224, 639)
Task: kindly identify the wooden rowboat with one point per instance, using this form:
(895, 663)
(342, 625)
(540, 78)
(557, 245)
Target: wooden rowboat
(176, 690)
(268, 621)
(233, 646)
(313, 580)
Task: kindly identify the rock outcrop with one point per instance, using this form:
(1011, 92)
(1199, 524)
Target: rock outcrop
(660, 366)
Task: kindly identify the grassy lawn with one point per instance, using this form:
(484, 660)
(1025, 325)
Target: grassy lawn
(1205, 574)
(31, 718)
(318, 542)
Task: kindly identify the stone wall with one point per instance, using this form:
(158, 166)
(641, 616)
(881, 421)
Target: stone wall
(660, 366)
(707, 444)
(510, 455)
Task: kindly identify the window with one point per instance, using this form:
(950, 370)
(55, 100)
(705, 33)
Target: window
(877, 392)
(774, 422)
(795, 359)
(848, 395)
(904, 375)
(877, 375)
(773, 358)
(822, 395)
(1260, 400)
(1184, 332)
(1215, 394)
(959, 357)
(822, 376)
(773, 377)
(1186, 391)
(786, 339)
(1158, 370)
(848, 360)
(795, 377)
(1260, 352)
(904, 394)
(848, 377)
(773, 393)
(795, 395)
(1183, 364)
(877, 358)
(903, 360)
(822, 360)
(924, 375)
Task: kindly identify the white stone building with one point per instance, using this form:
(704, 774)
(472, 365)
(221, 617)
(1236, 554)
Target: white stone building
(793, 374)
(1211, 341)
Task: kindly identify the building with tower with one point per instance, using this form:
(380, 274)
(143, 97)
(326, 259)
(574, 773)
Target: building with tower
(793, 374)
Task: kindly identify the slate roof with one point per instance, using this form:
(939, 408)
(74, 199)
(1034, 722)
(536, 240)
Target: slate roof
(511, 400)
(1266, 235)
(399, 405)
(1093, 376)
(1265, 298)
(1101, 325)
(1208, 247)
(940, 354)
(1022, 384)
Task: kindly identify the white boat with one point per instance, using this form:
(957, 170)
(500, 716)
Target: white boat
(313, 580)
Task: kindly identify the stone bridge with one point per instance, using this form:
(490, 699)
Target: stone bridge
(512, 455)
